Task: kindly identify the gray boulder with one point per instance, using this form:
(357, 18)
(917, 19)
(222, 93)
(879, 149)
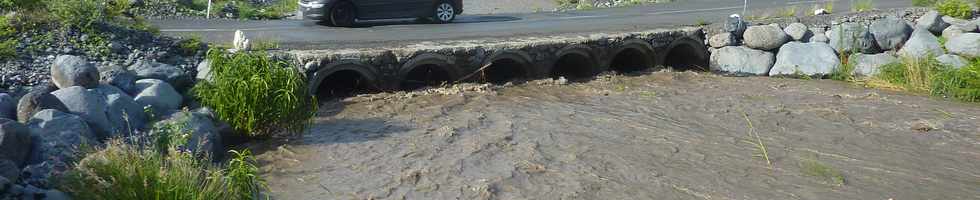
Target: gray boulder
(90, 105)
(767, 37)
(868, 64)
(125, 115)
(952, 61)
(8, 107)
(952, 32)
(119, 77)
(797, 31)
(154, 70)
(932, 22)
(160, 96)
(966, 45)
(921, 44)
(716, 41)
(204, 70)
(806, 59)
(8, 171)
(35, 101)
(852, 37)
(740, 60)
(820, 38)
(58, 135)
(15, 141)
(962, 24)
(205, 138)
(890, 33)
(70, 71)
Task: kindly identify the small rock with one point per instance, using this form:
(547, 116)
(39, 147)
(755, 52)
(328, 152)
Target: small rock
(70, 71)
(932, 22)
(8, 107)
(923, 126)
(716, 41)
(868, 64)
(820, 11)
(820, 38)
(798, 32)
(35, 101)
(160, 96)
(962, 24)
(241, 42)
(807, 59)
(15, 142)
(204, 71)
(890, 33)
(921, 44)
(740, 60)
(766, 37)
(966, 45)
(952, 61)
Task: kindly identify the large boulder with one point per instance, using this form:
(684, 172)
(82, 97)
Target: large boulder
(852, 37)
(740, 60)
(962, 24)
(159, 95)
(90, 105)
(154, 70)
(15, 141)
(952, 32)
(205, 138)
(119, 77)
(58, 135)
(805, 59)
(8, 171)
(921, 44)
(68, 71)
(767, 37)
(966, 45)
(125, 115)
(952, 61)
(890, 33)
(798, 32)
(716, 41)
(35, 101)
(868, 64)
(8, 107)
(932, 22)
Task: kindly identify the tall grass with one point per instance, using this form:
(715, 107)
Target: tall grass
(257, 95)
(158, 170)
(930, 77)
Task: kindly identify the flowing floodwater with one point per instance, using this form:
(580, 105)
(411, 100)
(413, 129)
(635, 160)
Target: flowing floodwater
(664, 135)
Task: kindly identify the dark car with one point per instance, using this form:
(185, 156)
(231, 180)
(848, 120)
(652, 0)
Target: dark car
(346, 12)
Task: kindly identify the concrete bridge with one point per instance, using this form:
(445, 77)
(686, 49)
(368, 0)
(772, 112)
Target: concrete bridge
(341, 72)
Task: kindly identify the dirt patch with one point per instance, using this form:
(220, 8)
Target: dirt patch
(665, 135)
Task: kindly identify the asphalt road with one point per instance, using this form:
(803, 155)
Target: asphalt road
(307, 34)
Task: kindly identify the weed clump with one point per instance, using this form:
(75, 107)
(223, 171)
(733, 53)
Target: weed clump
(257, 95)
(929, 76)
(954, 8)
(817, 169)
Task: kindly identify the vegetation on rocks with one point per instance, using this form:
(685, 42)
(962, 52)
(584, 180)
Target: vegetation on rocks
(929, 76)
(256, 94)
(955, 8)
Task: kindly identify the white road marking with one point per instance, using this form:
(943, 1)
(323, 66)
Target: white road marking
(583, 17)
(694, 10)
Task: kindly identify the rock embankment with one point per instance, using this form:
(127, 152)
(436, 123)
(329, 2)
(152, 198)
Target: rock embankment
(815, 51)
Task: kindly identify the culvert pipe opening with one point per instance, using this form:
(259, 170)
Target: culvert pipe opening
(685, 57)
(501, 71)
(425, 76)
(344, 83)
(574, 66)
(630, 60)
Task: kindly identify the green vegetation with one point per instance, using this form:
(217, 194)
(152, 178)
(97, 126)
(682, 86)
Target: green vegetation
(846, 70)
(258, 96)
(829, 6)
(819, 170)
(789, 11)
(862, 5)
(191, 45)
(954, 8)
(277, 10)
(930, 77)
(8, 40)
(160, 170)
(924, 3)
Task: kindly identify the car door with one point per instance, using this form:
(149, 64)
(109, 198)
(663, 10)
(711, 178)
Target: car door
(384, 9)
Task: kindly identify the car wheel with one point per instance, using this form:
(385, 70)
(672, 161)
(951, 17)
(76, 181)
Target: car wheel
(342, 14)
(445, 12)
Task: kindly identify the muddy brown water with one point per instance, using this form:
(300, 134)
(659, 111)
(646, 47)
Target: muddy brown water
(665, 135)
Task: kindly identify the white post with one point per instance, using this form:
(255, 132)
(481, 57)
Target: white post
(209, 9)
(745, 6)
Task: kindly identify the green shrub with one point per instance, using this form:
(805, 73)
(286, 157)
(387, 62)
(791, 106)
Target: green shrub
(846, 71)
(258, 96)
(924, 3)
(159, 171)
(8, 40)
(929, 76)
(8, 5)
(190, 46)
(962, 84)
(955, 8)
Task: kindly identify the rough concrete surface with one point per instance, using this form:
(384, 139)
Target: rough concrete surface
(666, 135)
